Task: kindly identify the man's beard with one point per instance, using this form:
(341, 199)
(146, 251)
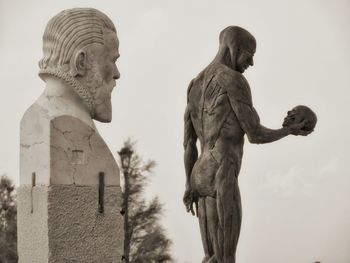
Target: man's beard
(97, 87)
(94, 81)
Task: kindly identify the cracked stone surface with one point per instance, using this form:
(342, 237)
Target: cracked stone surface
(63, 149)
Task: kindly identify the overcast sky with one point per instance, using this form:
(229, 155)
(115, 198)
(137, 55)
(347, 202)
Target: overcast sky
(295, 192)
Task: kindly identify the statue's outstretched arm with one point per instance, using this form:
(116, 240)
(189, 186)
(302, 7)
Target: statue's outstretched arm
(241, 103)
(250, 123)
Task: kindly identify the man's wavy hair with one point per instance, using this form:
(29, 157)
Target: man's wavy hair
(65, 35)
(70, 31)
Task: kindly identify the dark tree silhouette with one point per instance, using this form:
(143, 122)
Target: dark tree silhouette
(146, 238)
(8, 221)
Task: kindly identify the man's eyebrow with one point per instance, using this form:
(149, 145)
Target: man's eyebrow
(250, 53)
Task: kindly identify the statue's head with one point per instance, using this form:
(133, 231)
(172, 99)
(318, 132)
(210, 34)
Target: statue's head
(80, 46)
(238, 46)
(300, 114)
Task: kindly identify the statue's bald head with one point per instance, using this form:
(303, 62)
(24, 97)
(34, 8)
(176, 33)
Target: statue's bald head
(70, 31)
(233, 41)
(235, 35)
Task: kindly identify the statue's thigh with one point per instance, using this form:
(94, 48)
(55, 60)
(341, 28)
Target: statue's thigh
(228, 199)
(229, 211)
(212, 224)
(226, 181)
(212, 213)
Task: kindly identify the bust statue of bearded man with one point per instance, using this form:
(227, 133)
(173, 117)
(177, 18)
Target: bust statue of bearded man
(80, 47)
(69, 179)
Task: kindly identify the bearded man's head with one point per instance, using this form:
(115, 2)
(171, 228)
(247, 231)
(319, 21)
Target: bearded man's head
(80, 46)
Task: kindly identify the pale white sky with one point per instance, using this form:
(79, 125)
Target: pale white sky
(295, 192)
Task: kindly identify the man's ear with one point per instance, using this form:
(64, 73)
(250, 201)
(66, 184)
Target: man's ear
(80, 64)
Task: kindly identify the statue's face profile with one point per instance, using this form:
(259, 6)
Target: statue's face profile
(245, 53)
(237, 48)
(244, 59)
(101, 75)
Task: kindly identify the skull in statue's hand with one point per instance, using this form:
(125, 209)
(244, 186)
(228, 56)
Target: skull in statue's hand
(300, 114)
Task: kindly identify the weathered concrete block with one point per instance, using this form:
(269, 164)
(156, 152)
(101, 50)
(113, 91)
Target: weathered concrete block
(66, 226)
(32, 228)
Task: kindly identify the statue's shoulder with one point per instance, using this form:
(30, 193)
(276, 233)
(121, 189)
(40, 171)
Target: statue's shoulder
(195, 87)
(234, 83)
(229, 78)
(189, 88)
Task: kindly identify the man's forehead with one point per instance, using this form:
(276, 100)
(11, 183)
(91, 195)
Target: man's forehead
(250, 43)
(109, 36)
(249, 47)
(111, 41)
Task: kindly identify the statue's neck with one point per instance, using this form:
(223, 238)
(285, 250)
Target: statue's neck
(224, 57)
(61, 99)
(56, 87)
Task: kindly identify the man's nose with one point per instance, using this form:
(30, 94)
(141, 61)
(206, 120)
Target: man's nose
(251, 62)
(116, 74)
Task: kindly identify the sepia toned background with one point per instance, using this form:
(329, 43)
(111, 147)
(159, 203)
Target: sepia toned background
(296, 191)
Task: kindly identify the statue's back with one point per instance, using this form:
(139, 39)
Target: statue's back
(210, 109)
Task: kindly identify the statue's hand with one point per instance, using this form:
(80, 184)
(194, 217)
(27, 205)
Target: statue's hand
(189, 199)
(298, 129)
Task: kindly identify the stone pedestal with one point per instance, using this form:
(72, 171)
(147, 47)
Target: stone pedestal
(69, 199)
(62, 223)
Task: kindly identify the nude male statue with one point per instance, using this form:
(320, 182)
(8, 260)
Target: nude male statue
(219, 113)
